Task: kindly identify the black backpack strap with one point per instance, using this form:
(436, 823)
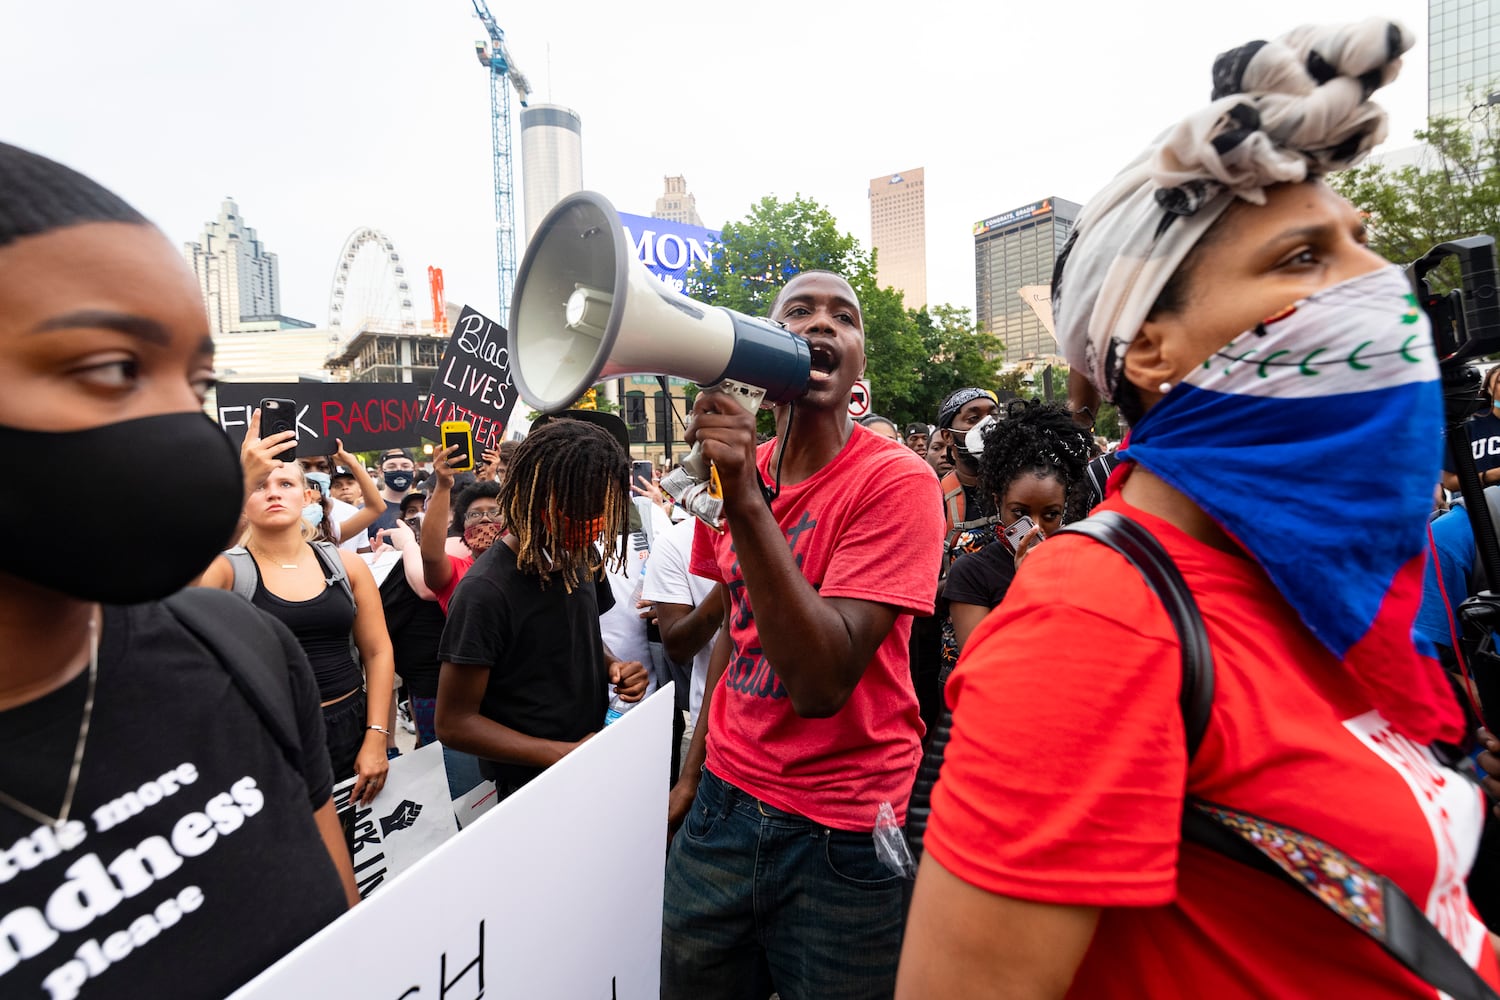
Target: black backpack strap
(1145, 553)
(1388, 915)
(242, 640)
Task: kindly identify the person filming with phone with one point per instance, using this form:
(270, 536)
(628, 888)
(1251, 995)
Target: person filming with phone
(328, 598)
(1031, 463)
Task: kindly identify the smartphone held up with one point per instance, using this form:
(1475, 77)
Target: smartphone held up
(459, 434)
(276, 417)
(1017, 530)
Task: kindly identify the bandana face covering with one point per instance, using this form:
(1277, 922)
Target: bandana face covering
(479, 537)
(1332, 410)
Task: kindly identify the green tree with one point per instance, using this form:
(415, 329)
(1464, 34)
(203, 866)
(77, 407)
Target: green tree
(956, 353)
(1453, 194)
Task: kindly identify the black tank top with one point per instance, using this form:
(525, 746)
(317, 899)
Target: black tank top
(322, 626)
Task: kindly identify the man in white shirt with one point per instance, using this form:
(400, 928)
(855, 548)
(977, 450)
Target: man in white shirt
(689, 610)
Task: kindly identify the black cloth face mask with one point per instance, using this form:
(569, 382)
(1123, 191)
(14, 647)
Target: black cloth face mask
(156, 539)
(399, 482)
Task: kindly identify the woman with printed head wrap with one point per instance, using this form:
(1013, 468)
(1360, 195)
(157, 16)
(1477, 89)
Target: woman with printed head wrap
(163, 786)
(1282, 388)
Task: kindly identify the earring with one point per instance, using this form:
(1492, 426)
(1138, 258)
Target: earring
(1164, 388)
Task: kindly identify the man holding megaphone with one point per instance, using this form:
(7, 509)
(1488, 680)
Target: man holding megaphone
(810, 724)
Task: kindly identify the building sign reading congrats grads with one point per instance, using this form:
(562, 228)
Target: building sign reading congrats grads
(473, 381)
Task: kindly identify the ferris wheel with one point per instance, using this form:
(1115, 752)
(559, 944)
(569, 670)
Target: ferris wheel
(369, 286)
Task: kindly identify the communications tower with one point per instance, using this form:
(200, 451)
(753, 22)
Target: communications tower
(495, 57)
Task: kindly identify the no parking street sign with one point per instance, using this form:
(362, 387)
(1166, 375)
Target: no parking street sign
(859, 399)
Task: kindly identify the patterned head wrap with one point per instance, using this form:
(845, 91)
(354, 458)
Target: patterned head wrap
(38, 195)
(955, 400)
(1282, 111)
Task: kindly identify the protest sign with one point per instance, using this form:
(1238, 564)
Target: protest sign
(475, 803)
(473, 382)
(365, 415)
(555, 892)
(412, 815)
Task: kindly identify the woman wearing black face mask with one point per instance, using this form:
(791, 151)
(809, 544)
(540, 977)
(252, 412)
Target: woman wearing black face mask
(119, 728)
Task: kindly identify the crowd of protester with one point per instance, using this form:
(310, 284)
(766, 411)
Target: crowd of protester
(929, 740)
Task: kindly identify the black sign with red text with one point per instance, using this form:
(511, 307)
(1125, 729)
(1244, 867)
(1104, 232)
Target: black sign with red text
(366, 415)
(473, 382)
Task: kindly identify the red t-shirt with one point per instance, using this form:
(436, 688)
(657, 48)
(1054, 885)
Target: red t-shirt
(1064, 781)
(869, 526)
(460, 566)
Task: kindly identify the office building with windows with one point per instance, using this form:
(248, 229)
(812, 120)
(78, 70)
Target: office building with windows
(898, 232)
(1013, 251)
(1463, 57)
(677, 203)
(551, 159)
(237, 276)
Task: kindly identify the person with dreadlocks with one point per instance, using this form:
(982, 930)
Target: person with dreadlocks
(1032, 465)
(144, 783)
(1232, 781)
(525, 676)
(809, 723)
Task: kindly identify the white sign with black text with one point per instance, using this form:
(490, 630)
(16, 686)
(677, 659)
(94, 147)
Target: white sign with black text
(555, 892)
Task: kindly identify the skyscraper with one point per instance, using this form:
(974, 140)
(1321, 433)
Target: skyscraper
(677, 203)
(236, 274)
(551, 159)
(1463, 56)
(898, 232)
(1012, 251)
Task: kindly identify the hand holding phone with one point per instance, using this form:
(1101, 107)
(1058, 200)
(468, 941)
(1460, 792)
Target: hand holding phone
(458, 434)
(279, 416)
(1017, 530)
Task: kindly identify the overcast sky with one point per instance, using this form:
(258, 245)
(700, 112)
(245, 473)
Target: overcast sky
(321, 116)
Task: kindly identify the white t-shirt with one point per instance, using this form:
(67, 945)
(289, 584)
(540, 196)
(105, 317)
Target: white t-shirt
(338, 513)
(668, 580)
(622, 627)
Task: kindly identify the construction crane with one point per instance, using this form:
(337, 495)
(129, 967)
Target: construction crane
(439, 306)
(495, 57)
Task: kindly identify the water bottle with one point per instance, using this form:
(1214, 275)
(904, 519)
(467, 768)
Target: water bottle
(617, 707)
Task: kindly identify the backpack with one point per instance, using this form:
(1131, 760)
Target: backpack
(244, 642)
(954, 504)
(247, 575)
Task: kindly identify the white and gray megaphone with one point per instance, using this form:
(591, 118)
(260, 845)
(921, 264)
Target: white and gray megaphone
(586, 310)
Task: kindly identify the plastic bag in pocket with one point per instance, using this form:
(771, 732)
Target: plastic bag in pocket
(890, 843)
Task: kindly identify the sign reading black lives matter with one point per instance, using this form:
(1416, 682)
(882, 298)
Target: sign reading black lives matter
(473, 381)
(365, 415)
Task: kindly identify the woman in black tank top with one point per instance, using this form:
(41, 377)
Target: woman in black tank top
(295, 585)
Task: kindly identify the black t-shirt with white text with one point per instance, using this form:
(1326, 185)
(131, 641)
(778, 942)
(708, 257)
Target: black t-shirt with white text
(1484, 440)
(548, 677)
(191, 860)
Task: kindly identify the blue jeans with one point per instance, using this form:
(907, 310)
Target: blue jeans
(758, 900)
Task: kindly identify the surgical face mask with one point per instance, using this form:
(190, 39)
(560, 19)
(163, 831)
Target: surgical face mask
(399, 480)
(313, 514)
(166, 546)
(971, 445)
(319, 481)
